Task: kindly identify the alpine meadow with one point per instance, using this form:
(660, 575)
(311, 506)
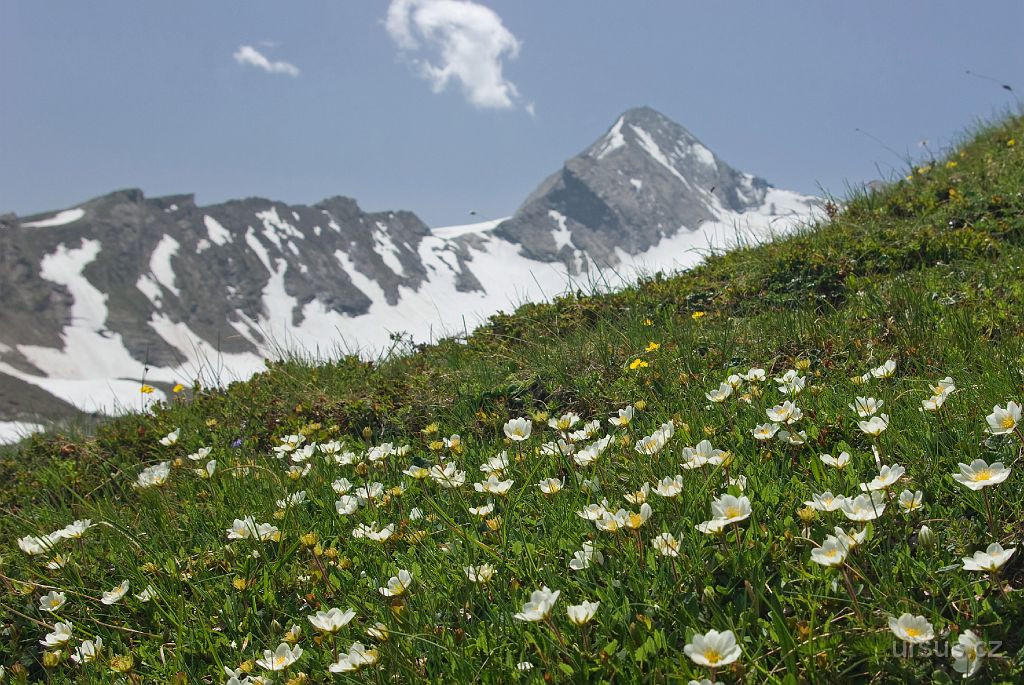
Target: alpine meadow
(798, 462)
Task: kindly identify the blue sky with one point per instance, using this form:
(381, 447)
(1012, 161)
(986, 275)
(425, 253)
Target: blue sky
(107, 95)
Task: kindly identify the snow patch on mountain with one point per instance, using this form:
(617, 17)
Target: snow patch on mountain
(68, 216)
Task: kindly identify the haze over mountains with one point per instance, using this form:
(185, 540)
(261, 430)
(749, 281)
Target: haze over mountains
(125, 288)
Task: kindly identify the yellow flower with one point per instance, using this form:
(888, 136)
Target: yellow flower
(951, 164)
(648, 322)
(146, 389)
(1011, 142)
(178, 387)
(697, 315)
(638, 364)
(652, 346)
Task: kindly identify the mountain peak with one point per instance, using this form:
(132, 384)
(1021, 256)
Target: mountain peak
(646, 179)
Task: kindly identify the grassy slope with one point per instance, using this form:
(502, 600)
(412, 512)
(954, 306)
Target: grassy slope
(924, 272)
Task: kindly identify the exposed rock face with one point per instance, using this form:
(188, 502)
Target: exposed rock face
(122, 288)
(645, 179)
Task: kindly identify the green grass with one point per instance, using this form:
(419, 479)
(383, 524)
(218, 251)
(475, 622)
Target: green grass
(925, 272)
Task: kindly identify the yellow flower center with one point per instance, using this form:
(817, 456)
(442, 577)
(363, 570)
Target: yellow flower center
(732, 512)
(279, 660)
(712, 656)
(913, 632)
(984, 474)
(1008, 422)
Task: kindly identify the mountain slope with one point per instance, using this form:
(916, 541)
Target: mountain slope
(922, 273)
(124, 288)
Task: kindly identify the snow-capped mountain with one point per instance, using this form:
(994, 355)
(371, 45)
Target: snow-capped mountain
(123, 288)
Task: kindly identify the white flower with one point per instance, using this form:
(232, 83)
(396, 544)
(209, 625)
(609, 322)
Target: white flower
(357, 657)
(292, 500)
(730, 509)
(850, 540)
(582, 613)
(295, 471)
(968, 653)
(559, 447)
(713, 649)
(886, 478)
(593, 512)
(61, 634)
(370, 532)
(368, 492)
(518, 429)
(147, 594)
(582, 559)
(346, 505)
(591, 452)
(281, 658)
(242, 528)
(416, 472)
(911, 501)
(171, 438)
(496, 465)
(332, 620)
(484, 510)
(540, 605)
(639, 496)
(792, 385)
(611, 522)
(874, 426)
(154, 475)
(33, 545)
(479, 574)
(831, 553)
(564, 422)
(87, 651)
(666, 544)
(75, 530)
(703, 454)
(448, 476)
(289, 443)
(991, 560)
(589, 430)
(52, 601)
(885, 370)
(623, 418)
(304, 453)
(265, 531)
(524, 666)
(493, 486)
(720, 394)
(765, 431)
(864, 507)
(943, 387)
(651, 444)
(114, 596)
(550, 486)
(787, 412)
(836, 462)
(913, 629)
(755, 375)
(397, 585)
(980, 474)
(669, 487)
(826, 501)
(1002, 421)
(793, 437)
(866, 406)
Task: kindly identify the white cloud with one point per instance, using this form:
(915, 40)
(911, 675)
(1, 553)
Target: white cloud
(248, 55)
(471, 44)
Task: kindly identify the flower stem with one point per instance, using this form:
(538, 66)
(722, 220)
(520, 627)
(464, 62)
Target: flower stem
(853, 595)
